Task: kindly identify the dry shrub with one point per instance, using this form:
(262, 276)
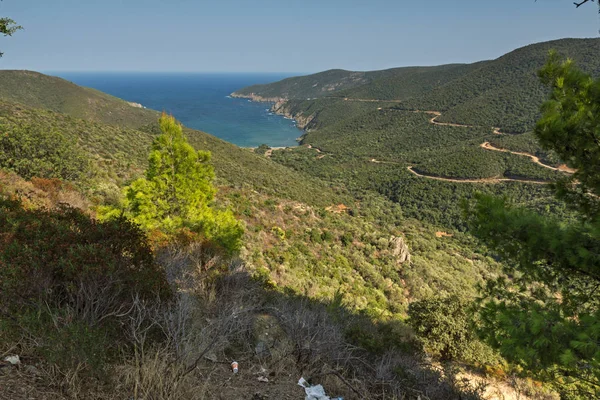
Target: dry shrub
(154, 375)
(41, 192)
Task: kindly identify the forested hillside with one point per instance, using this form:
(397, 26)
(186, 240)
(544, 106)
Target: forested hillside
(349, 250)
(55, 94)
(116, 153)
(345, 248)
(504, 93)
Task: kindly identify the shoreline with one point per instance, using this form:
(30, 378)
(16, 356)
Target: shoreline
(278, 108)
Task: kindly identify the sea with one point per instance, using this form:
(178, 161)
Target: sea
(200, 101)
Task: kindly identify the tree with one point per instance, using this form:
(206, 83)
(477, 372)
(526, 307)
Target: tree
(545, 312)
(8, 27)
(177, 191)
(582, 2)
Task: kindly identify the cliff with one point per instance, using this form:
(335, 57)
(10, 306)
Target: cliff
(282, 107)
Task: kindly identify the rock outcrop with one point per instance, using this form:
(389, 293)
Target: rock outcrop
(399, 249)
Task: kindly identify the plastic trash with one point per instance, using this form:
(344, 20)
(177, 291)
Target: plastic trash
(14, 360)
(234, 367)
(313, 392)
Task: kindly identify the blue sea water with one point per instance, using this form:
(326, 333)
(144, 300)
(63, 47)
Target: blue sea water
(200, 101)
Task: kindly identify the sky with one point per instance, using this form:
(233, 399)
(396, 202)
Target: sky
(278, 35)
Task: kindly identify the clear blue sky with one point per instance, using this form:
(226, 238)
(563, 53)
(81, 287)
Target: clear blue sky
(278, 35)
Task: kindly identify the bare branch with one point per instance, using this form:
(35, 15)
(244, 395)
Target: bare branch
(577, 5)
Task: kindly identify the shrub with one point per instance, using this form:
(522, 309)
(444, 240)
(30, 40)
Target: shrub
(445, 329)
(65, 259)
(31, 150)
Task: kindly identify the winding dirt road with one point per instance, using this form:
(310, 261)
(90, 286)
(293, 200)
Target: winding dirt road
(481, 180)
(485, 145)
(535, 159)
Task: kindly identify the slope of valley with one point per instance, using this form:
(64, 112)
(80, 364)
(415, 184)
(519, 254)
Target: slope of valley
(341, 234)
(431, 131)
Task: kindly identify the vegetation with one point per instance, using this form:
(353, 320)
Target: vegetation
(546, 316)
(444, 326)
(342, 246)
(503, 93)
(32, 151)
(178, 191)
(317, 85)
(65, 279)
(8, 27)
(372, 150)
(117, 155)
(37, 90)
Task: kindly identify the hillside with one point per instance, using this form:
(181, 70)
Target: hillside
(504, 93)
(317, 85)
(117, 153)
(55, 94)
(341, 236)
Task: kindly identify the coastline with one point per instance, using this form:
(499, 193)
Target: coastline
(279, 107)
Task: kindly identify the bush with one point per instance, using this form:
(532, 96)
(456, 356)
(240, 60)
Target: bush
(31, 150)
(63, 258)
(444, 328)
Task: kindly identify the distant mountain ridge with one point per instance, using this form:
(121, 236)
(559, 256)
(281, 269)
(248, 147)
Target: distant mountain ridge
(504, 92)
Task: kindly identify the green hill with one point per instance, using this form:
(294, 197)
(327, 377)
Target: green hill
(383, 136)
(55, 94)
(115, 137)
(505, 92)
(316, 85)
(322, 224)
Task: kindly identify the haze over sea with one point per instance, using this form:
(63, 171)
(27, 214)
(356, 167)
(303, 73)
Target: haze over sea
(200, 101)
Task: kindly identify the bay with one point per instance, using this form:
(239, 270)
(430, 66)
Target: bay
(200, 101)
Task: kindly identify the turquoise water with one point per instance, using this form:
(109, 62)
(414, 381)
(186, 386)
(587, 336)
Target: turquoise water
(200, 101)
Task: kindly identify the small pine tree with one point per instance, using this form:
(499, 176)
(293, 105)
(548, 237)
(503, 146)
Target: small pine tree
(177, 191)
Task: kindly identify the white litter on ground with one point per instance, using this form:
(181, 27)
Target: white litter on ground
(313, 392)
(14, 360)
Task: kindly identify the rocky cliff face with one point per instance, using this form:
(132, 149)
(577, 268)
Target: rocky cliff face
(282, 107)
(279, 107)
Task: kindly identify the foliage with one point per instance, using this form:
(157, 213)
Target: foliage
(397, 139)
(303, 87)
(503, 92)
(262, 149)
(546, 316)
(322, 254)
(117, 155)
(30, 150)
(50, 256)
(445, 328)
(8, 27)
(570, 127)
(37, 90)
(67, 281)
(178, 191)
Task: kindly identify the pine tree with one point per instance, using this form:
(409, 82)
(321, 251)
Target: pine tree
(177, 191)
(545, 312)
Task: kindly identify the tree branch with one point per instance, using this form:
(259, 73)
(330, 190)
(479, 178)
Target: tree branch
(577, 5)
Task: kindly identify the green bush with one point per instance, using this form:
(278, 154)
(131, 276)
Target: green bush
(444, 327)
(31, 150)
